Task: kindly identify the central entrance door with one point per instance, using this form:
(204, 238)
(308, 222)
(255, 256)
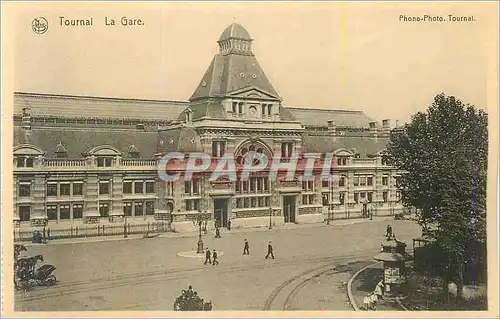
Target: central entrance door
(220, 211)
(289, 208)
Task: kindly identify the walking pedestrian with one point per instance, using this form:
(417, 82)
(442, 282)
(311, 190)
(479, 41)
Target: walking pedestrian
(229, 224)
(388, 231)
(217, 232)
(270, 250)
(214, 258)
(246, 248)
(208, 258)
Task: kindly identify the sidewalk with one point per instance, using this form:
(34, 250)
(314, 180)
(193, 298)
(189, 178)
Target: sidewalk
(363, 283)
(224, 231)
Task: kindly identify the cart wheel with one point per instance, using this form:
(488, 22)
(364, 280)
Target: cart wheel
(51, 280)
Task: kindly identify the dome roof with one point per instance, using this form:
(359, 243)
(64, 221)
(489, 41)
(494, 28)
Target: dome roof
(235, 30)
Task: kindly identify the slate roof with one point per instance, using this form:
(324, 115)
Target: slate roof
(212, 109)
(77, 106)
(363, 145)
(78, 141)
(179, 139)
(320, 117)
(228, 73)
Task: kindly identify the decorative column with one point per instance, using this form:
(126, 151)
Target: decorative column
(38, 214)
(91, 211)
(116, 214)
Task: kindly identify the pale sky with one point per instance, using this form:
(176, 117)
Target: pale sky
(322, 55)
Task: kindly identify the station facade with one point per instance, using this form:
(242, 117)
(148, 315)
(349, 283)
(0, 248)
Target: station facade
(80, 160)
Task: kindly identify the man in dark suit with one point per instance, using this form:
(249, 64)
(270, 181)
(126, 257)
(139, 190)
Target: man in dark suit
(208, 257)
(270, 250)
(214, 258)
(246, 248)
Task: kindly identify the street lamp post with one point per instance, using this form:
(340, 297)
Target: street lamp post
(200, 240)
(270, 218)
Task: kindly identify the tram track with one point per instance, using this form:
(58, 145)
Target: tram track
(104, 283)
(298, 281)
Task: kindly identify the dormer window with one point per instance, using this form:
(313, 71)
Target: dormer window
(24, 161)
(60, 151)
(189, 116)
(104, 161)
(341, 161)
(133, 152)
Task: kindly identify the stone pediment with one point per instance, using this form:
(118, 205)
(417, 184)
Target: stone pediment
(28, 149)
(253, 92)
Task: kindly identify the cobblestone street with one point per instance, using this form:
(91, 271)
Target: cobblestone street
(311, 268)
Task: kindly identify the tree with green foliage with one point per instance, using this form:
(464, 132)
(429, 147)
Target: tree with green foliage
(444, 153)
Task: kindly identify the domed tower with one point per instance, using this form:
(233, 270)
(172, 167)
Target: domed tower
(234, 85)
(235, 40)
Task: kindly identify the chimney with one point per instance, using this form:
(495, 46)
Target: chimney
(331, 128)
(373, 129)
(386, 126)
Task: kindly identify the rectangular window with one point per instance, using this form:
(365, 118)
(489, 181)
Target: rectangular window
(370, 196)
(240, 108)
(356, 180)
(286, 149)
(64, 189)
(385, 180)
(247, 202)
(266, 183)
(261, 202)
(196, 186)
(342, 181)
(325, 199)
(363, 195)
(324, 183)
(192, 204)
(252, 184)
(20, 162)
(245, 186)
(104, 209)
(52, 189)
(139, 209)
(267, 201)
(24, 213)
(25, 189)
(138, 188)
(150, 187)
(64, 212)
(310, 186)
(187, 187)
(260, 181)
(127, 209)
(384, 196)
(215, 151)
(356, 197)
(369, 180)
(305, 199)
(104, 188)
(264, 110)
(127, 187)
(269, 109)
(238, 186)
(253, 202)
(52, 212)
(77, 188)
(150, 208)
(235, 106)
(239, 203)
(362, 180)
(77, 211)
(29, 162)
(341, 198)
(104, 161)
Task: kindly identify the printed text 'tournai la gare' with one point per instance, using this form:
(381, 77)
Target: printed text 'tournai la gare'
(106, 21)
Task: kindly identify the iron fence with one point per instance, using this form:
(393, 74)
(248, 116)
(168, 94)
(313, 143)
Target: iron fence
(93, 231)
